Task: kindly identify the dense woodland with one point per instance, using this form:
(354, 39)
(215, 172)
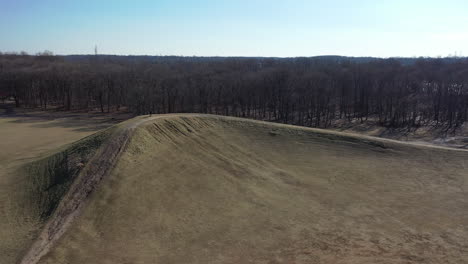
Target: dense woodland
(304, 91)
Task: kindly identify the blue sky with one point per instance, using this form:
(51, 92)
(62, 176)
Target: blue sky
(281, 28)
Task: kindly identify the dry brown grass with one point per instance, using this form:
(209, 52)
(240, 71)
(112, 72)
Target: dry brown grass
(430, 134)
(29, 146)
(207, 189)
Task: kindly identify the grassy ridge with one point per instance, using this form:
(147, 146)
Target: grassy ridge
(209, 189)
(38, 188)
(46, 180)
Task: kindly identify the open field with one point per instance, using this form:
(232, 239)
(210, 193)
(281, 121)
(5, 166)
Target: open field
(208, 189)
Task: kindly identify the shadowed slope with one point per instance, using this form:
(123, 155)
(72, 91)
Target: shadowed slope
(206, 189)
(31, 192)
(41, 155)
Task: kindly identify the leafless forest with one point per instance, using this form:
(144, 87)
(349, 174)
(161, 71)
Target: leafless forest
(304, 91)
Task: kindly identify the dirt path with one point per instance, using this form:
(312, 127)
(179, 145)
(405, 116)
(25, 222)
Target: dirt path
(85, 184)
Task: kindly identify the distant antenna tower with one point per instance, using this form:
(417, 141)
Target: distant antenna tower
(95, 50)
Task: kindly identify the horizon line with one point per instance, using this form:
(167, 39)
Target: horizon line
(23, 53)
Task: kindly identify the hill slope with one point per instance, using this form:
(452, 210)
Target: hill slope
(208, 189)
(39, 160)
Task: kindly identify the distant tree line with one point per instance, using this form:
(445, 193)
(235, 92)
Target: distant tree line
(304, 91)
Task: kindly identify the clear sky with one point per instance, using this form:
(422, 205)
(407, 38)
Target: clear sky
(281, 28)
